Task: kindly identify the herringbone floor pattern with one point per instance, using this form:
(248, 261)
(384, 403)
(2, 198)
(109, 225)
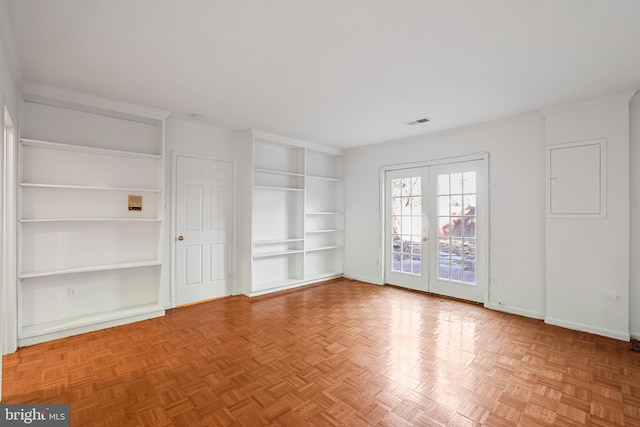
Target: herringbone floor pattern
(341, 353)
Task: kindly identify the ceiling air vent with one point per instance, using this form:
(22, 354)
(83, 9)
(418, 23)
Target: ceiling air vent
(418, 121)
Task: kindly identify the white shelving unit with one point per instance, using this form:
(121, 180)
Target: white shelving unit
(86, 261)
(297, 213)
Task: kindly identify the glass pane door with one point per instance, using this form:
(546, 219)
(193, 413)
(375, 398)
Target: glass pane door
(406, 228)
(459, 218)
(436, 229)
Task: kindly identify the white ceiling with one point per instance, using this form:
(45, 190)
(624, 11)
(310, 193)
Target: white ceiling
(339, 72)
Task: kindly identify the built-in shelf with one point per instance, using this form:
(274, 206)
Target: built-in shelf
(323, 178)
(322, 248)
(85, 149)
(277, 253)
(80, 321)
(89, 269)
(90, 220)
(272, 188)
(277, 172)
(88, 187)
(314, 176)
(272, 242)
(332, 230)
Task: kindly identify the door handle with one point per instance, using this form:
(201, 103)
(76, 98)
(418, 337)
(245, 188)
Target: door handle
(424, 239)
(181, 238)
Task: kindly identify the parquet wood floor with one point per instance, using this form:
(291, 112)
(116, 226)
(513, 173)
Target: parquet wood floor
(340, 353)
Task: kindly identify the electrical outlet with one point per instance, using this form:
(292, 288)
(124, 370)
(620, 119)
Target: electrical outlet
(71, 292)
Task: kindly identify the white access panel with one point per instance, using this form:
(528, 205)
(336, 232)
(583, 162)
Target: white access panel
(576, 179)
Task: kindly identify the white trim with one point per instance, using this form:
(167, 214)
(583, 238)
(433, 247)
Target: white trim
(232, 274)
(516, 311)
(602, 142)
(275, 138)
(621, 335)
(92, 323)
(484, 157)
(625, 95)
(41, 94)
(9, 289)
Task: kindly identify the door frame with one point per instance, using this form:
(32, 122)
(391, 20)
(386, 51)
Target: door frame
(484, 157)
(232, 275)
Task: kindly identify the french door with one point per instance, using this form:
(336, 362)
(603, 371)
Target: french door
(436, 229)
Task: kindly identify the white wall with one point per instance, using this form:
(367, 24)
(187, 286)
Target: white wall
(186, 137)
(516, 182)
(588, 258)
(634, 253)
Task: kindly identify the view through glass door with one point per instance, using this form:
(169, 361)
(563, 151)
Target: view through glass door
(436, 229)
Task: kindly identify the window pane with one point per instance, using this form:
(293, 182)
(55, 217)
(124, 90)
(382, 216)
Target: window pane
(406, 206)
(406, 244)
(416, 188)
(417, 245)
(469, 272)
(395, 243)
(469, 249)
(469, 205)
(443, 205)
(469, 182)
(406, 263)
(456, 270)
(443, 184)
(470, 226)
(456, 205)
(396, 187)
(406, 186)
(443, 226)
(456, 183)
(456, 249)
(443, 268)
(416, 206)
(396, 206)
(416, 264)
(396, 262)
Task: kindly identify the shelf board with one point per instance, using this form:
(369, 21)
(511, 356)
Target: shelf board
(77, 322)
(90, 220)
(84, 149)
(88, 187)
(89, 269)
(323, 178)
(275, 172)
(324, 213)
(332, 230)
(271, 188)
(322, 248)
(277, 253)
(271, 242)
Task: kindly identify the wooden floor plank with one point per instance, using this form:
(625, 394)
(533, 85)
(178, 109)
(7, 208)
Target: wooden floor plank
(339, 353)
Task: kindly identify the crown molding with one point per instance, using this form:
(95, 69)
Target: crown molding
(274, 137)
(34, 92)
(624, 96)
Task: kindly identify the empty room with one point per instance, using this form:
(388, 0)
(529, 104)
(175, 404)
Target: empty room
(289, 213)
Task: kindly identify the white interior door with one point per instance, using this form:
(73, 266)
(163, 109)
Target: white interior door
(437, 229)
(203, 228)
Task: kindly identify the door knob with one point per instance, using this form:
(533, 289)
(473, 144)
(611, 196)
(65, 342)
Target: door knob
(424, 239)
(181, 238)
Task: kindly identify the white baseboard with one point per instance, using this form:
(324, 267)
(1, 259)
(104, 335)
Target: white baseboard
(516, 310)
(621, 335)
